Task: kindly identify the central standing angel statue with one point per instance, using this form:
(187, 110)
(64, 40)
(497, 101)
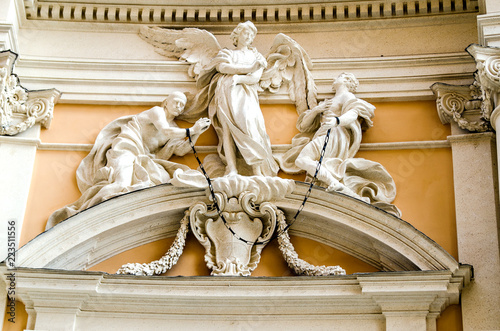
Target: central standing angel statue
(229, 81)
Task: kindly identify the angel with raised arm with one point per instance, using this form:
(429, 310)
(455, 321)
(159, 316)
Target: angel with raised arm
(229, 81)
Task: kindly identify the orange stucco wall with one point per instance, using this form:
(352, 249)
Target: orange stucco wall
(424, 181)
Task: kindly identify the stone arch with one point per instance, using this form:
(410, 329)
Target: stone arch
(137, 218)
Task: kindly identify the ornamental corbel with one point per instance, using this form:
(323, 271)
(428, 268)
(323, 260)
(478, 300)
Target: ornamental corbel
(473, 106)
(21, 108)
(487, 64)
(488, 76)
(462, 104)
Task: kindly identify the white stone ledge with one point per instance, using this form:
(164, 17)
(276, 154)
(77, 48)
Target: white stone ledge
(64, 147)
(148, 82)
(90, 300)
(471, 138)
(276, 148)
(489, 29)
(405, 145)
(20, 140)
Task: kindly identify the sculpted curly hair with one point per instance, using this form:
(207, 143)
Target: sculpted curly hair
(236, 32)
(351, 81)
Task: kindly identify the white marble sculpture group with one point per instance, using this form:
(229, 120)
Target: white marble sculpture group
(133, 152)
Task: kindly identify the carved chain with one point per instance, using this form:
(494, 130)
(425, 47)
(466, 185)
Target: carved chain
(280, 231)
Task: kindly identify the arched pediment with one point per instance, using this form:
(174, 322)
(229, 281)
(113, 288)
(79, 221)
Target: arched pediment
(137, 218)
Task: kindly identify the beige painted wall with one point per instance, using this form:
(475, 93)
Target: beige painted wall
(423, 178)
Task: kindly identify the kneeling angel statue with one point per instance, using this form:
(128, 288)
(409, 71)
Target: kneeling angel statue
(132, 153)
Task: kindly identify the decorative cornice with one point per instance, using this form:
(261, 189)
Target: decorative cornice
(124, 301)
(8, 37)
(471, 106)
(85, 298)
(150, 12)
(20, 108)
(147, 82)
(487, 26)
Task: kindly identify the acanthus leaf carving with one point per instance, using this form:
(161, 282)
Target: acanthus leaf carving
(467, 105)
(20, 108)
(472, 106)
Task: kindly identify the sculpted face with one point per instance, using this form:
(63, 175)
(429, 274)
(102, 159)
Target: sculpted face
(347, 80)
(245, 38)
(175, 104)
(341, 80)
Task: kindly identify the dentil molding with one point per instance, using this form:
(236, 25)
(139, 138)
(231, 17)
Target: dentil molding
(218, 12)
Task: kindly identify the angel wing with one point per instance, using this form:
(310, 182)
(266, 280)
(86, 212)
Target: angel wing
(287, 62)
(192, 45)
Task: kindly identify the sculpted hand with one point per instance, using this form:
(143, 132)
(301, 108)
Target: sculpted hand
(236, 79)
(257, 65)
(201, 125)
(331, 121)
(331, 124)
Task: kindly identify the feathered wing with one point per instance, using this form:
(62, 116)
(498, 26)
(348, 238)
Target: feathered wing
(287, 62)
(192, 45)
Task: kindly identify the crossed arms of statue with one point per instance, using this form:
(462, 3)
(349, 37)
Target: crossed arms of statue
(285, 64)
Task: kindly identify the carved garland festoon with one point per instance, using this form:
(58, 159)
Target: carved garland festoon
(233, 246)
(471, 106)
(20, 108)
(241, 217)
(167, 261)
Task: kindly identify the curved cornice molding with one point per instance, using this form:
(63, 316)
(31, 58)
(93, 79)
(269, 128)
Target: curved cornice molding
(140, 217)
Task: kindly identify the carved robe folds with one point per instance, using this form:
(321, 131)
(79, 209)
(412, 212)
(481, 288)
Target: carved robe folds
(95, 176)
